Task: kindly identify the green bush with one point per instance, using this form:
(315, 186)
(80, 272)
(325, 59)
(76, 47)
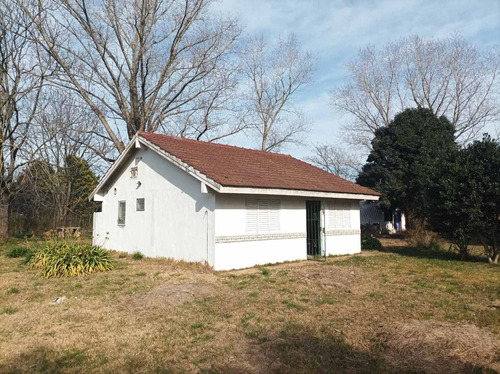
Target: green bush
(371, 243)
(421, 238)
(137, 256)
(16, 252)
(67, 260)
(23, 235)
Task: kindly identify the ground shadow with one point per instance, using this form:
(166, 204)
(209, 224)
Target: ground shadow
(434, 254)
(45, 360)
(300, 350)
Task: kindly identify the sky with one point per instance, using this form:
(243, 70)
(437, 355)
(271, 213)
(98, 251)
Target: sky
(334, 31)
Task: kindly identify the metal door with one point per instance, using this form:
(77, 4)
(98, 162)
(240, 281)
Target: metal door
(313, 221)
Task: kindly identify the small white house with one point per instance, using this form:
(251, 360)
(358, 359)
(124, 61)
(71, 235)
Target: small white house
(226, 206)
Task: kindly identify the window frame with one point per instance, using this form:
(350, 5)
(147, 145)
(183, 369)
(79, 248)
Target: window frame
(137, 204)
(120, 202)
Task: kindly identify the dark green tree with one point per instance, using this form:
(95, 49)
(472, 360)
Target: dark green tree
(406, 158)
(465, 204)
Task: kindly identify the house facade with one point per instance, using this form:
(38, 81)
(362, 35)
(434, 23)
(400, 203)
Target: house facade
(226, 206)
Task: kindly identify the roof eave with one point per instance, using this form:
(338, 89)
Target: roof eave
(297, 193)
(95, 193)
(136, 142)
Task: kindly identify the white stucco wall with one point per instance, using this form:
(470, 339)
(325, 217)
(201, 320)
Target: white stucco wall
(344, 241)
(182, 223)
(178, 221)
(235, 248)
(343, 244)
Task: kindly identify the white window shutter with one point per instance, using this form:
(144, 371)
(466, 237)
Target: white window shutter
(263, 216)
(274, 215)
(252, 216)
(339, 215)
(346, 216)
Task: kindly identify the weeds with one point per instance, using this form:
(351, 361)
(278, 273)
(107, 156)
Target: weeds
(12, 290)
(17, 252)
(8, 310)
(137, 256)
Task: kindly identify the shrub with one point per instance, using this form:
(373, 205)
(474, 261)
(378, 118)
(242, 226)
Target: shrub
(137, 256)
(371, 243)
(23, 235)
(66, 260)
(421, 238)
(18, 252)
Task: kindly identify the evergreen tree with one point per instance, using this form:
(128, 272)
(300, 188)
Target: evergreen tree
(406, 159)
(465, 204)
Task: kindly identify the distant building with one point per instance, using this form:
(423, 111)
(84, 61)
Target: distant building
(389, 222)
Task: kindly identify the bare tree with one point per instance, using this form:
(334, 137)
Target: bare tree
(335, 160)
(218, 115)
(273, 76)
(451, 77)
(66, 136)
(135, 63)
(21, 83)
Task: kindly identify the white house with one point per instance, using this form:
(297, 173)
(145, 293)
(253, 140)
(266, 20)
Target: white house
(227, 206)
(391, 222)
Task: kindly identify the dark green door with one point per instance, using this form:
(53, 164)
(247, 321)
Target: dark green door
(313, 215)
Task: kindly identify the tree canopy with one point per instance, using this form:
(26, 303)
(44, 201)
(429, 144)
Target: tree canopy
(407, 157)
(465, 205)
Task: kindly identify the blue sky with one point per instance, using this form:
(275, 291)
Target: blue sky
(334, 31)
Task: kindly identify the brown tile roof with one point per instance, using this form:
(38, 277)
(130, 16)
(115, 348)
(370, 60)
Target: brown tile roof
(241, 167)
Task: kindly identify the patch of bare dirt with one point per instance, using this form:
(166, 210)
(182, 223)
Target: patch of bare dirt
(439, 347)
(170, 294)
(330, 278)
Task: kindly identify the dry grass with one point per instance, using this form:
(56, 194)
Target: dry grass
(393, 311)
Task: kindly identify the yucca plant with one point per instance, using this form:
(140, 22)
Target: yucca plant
(69, 260)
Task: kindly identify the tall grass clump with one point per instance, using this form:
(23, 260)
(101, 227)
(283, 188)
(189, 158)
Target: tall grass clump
(15, 252)
(71, 259)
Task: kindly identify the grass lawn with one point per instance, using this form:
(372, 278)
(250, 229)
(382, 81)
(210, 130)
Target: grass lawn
(399, 310)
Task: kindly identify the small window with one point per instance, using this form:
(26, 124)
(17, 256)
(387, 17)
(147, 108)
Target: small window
(121, 212)
(139, 204)
(134, 172)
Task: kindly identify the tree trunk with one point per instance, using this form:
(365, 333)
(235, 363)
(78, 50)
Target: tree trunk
(4, 216)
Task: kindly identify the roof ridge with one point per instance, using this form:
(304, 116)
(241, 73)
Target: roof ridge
(216, 144)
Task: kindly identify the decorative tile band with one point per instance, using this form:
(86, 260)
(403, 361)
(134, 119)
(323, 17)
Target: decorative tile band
(295, 235)
(247, 238)
(342, 232)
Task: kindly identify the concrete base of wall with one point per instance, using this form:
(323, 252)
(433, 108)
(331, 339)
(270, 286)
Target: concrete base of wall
(239, 255)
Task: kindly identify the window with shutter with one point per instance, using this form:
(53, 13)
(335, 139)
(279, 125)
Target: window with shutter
(339, 215)
(263, 216)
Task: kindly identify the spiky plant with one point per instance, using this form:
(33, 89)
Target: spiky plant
(69, 260)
